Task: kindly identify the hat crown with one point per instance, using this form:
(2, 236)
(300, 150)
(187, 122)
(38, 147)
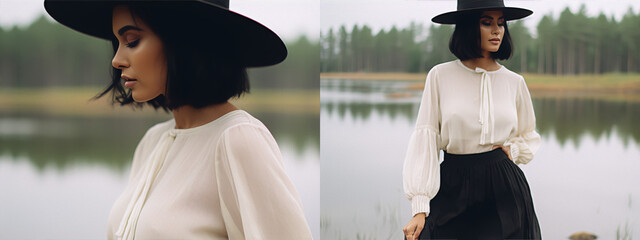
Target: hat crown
(471, 4)
(467, 6)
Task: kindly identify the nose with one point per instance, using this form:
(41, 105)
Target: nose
(496, 29)
(119, 61)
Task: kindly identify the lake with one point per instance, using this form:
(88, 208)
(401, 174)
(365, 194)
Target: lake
(59, 175)
(584, 178)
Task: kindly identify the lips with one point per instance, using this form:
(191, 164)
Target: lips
(127, 78)
(128, 81)
(494, 40)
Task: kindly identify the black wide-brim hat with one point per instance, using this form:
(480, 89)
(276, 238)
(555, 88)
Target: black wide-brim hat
(256, 44)
(468, 6)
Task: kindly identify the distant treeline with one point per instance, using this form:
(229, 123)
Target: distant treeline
(574, 43)
(46, 54)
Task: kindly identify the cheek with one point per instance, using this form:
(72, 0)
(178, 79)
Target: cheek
(152, 64)
(485, 33)
(159, 66)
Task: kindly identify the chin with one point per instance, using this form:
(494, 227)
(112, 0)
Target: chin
(142, 98)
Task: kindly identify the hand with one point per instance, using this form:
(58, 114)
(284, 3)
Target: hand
(506, 150)
(414, 227)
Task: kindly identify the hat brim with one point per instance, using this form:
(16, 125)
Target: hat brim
(256, 44)
(510, 13)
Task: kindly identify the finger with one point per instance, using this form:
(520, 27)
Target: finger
(508, 153)
(416, 234)
(408, 230)
(412, 231)
(408, 235)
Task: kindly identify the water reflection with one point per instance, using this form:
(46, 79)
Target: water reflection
(571, 119)
(363, 110)
(62, 142)
(568, 118)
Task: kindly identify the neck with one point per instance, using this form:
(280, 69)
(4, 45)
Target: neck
(190, 117)
(486, 62)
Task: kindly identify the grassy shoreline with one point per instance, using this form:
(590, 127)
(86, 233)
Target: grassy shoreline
(612, 86)
(77, 101)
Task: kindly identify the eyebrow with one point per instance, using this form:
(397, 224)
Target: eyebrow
(127, 28)
(490, 17)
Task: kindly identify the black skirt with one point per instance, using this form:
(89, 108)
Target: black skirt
(481, 196)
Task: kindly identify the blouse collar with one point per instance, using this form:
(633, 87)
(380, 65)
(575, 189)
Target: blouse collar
(178, 131)
(478, 70)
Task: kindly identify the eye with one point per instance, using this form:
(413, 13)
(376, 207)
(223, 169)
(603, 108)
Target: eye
(486, 23)
(133, 44)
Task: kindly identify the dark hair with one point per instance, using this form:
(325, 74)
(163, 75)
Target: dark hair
(202, 68)
(465, 41)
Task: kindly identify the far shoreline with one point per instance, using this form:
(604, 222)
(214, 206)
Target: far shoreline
(374, 76)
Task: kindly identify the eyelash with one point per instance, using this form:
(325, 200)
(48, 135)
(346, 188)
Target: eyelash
(133, 44)
(489, 24)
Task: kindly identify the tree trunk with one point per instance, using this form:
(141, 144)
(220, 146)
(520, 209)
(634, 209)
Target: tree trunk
(548, 59)
(523, 59)
(559, 58)
(629, 62)
(596, 60)
(581, 62)
(540, 60)
(570, 57)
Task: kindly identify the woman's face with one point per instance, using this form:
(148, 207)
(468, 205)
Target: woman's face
(140, 56)
(491, 30)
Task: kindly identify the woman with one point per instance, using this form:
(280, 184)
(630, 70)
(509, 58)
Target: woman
(214, 171)
(481, 115)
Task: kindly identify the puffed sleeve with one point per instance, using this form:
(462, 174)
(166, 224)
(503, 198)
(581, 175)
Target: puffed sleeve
(421, 171)
(527, 141)
(257, 198)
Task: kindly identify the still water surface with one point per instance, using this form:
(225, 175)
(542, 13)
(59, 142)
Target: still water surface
(59, 176)
(584, 178)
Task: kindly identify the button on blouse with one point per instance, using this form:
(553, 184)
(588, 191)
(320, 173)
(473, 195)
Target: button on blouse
(466, 111)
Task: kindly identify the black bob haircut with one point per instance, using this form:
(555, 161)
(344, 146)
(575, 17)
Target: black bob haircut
(465, 41)
(202, 68)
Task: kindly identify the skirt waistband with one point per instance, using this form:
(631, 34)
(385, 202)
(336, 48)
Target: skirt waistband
(489, 157)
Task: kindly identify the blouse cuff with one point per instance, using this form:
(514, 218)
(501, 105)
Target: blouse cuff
(420, 204)
(523, 148)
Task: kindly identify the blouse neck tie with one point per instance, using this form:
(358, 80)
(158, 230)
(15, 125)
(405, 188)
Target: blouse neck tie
(154, 163)
(485, 116)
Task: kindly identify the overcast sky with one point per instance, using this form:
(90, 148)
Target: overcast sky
(386, 13)
(290, 18)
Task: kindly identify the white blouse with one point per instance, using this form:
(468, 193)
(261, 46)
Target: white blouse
(221, 180)
(466, 111)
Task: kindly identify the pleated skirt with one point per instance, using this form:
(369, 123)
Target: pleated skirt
(481, 196)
